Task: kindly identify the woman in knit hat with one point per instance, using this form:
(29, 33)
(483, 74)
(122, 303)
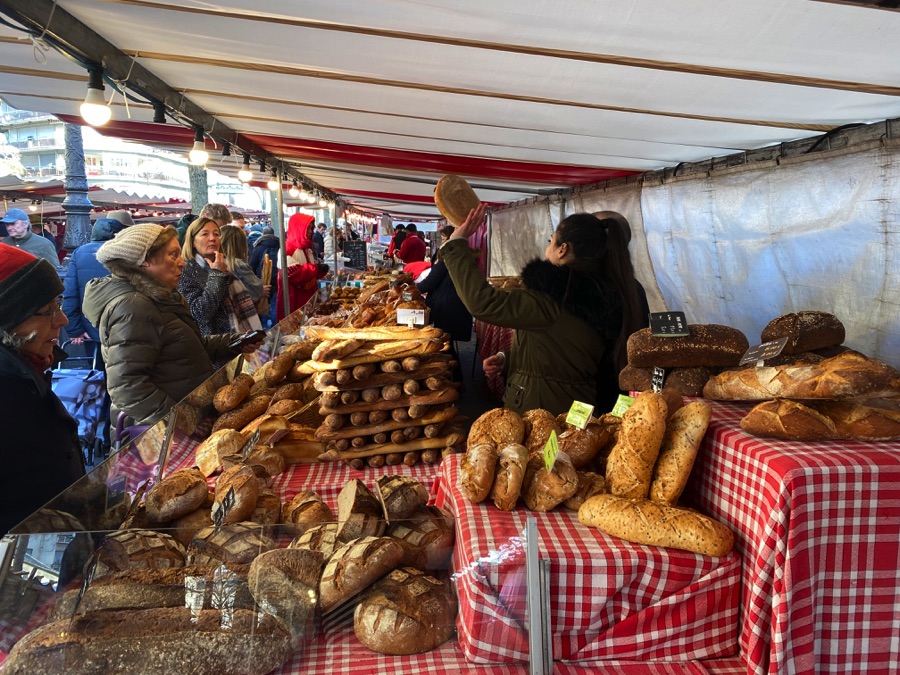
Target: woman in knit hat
(154, 352)
(40, 454)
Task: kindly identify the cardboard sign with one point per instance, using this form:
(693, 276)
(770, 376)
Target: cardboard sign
(551, 450)
(579, 414)
(411, 317)
(669, 324)
(767, 350)
(659, 376)
(622, 405)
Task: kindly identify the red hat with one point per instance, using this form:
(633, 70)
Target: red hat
(27, 283)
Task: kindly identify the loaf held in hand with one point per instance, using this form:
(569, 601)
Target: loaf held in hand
(644, 522)
(684, 432)
(630, 463)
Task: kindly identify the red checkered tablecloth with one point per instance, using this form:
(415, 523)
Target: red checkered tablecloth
(818, 528)
(610, 599)
(492, 339)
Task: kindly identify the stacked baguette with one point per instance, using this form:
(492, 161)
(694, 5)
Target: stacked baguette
(386, 394)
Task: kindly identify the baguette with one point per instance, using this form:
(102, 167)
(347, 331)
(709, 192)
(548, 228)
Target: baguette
(336, 349)
(374, 332)
(383, 448)
(439, 415)
(630, 463)
(429, 398)
(362, 356)
(684, 433)
(644, 522)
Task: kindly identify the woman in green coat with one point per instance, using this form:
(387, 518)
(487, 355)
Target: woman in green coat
(572, 319)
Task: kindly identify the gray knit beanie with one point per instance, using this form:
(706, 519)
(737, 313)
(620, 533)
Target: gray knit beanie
(130, 245)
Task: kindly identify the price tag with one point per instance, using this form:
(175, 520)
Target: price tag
(622, 405)
(406, 296)
(659, 376)
(115, 492)
(579, 414)
(669, 324)
(766, 350)
(90, 569)
(219, 514)
(248, 446)
(415, 317)
(551, 450)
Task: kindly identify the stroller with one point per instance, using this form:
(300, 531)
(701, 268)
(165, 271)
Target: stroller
(81, 386)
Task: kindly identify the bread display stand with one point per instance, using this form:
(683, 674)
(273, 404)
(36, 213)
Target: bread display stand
(610, 599)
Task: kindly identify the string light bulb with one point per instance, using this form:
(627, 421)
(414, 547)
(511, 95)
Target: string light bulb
(34, 205)
(198, 154)
(323, 201)
(274, 183)
(245, 174)
(304, 195)
(294, 192)
(95, 110)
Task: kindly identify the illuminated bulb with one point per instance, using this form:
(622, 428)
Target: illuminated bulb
(245, 174)
(33, 206)
(198, 154)
(323, 202)
(304, 195)
(294, 192)
(94, 110)
(273, 183)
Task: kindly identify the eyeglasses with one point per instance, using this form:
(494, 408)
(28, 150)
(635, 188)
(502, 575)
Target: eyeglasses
(52, 313)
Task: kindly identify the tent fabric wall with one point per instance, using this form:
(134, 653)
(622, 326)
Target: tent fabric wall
(519, 235)
(818, 233)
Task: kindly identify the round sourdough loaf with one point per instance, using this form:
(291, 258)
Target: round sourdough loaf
(284, 582)
(246, 491)
(356, 566)
(454, 198)
(220, 443)
(138, 549)
(427, 538)
(305, 510)
(401, 496)
(407, 612)
(176, 495)
(321, 538)
(237, 543)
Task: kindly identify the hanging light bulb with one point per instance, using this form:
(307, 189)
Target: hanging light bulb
(94, 110)
(245, 174)
(323, 201)
(274, 183)
(294, 192)
(304, 195)
(34, 205)
(198, 154)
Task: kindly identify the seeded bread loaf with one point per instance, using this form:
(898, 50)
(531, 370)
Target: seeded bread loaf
(630, 462)
(498, 427)
(805, 331)
(707, 345)
(684, 432)
(538, 425)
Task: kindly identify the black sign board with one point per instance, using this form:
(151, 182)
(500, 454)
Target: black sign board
(767, 350)
(669, 324)
(356, 251)
(659, 376)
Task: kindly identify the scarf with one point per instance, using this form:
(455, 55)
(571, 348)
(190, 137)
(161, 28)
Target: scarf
(238, 304)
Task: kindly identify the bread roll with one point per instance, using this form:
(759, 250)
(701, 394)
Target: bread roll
(407, 612)
(306, 510)
(354, 567)
(231, 544)
(538, 425)
(285, 583)
(707, 345)
(476, 472)
(138, 549)
(684, 433)
(498, 427)
(427, 538)
(644, 522)
(589, 484)
(176, 495)
(805, 331)
(359, 512)
(454, 198)
(401, 496)
(543, 490)
(220, 443)
(510, 475)
(630, 463)
(246, 490)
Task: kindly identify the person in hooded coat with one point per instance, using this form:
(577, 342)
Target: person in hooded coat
(303, 271)
(572, 319)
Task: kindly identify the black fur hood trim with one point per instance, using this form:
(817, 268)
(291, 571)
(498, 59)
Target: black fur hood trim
(589, 300)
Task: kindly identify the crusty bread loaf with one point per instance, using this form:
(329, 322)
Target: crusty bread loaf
(356, 566)
(805, 331)
(285, 582)
(538, 425)
(644, 522)
(267, 458)
(427, 538)
(176, 495)
(184, 528)
(321, 538)
(219, 444)
(683, 381)
(239, 543)
(407, 612)
(582, 445)
(630, 462)
(476, 472)
(233, 394)
(707, 345)
(246, 490)
(499, 427)
(684, 432)
(589, 484)
(305, 510)
(454, 198)
(509, 477)
(245, 413)
(138, 549)
(401, 496)
(359, 512)
(268, 509)
(845, 376)
(869, 420)
(544, 490)
(160, 640)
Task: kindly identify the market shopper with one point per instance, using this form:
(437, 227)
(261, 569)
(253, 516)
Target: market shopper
(413, 247)
(319, 240)
(572, 319)
(303, 272)
(234, 248)
(18, 228)
(40, 453)
(396, 240)
(154, 351)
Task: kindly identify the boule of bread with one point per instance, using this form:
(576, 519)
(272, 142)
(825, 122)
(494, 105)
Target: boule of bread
(644, 522)
(158, 640)
(454, 198)
(407, 612)
(630, 463)
(476, 472)
(321, 538)
(285, 583)
(246, 490)
(544, 490)
(138, 549)
(538, 425)
(219, 444)
(707, 345)
(805, 331)
(268, 458)
(426, 537)
(589, 484)
(683, 381)
(401, 496)
(184, 528)
(684, 432)
(499, 427)
(305, 510)
(239, 543)
(845, 376)
(268, 508)
(356, 566)
(176, 495)
(359, 512)
(509, 477)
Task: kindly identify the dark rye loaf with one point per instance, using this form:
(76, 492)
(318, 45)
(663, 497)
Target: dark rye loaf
(708, 345)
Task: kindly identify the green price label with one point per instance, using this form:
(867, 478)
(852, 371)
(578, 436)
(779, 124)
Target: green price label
(623, 404)
(551, 450)
(579, 414)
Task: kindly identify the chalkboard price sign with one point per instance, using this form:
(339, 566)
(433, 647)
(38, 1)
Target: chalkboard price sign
(356, 251)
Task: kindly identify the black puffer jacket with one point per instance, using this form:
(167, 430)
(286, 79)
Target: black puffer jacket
(154, 353)
(447, 311)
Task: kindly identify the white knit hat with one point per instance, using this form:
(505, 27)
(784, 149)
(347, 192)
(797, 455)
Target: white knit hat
(130, 245)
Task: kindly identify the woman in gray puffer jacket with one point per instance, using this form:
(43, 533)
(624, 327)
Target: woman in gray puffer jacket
(152, 346)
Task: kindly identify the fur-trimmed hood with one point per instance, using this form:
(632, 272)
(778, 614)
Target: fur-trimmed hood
(588, 300)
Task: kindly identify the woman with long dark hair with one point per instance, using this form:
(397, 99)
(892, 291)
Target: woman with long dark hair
(572, 319)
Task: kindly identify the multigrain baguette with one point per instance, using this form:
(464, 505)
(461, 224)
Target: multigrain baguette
(630, 463)
(684, 432)
(644, 522)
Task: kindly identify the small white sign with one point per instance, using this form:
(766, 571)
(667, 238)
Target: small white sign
(414, 317)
